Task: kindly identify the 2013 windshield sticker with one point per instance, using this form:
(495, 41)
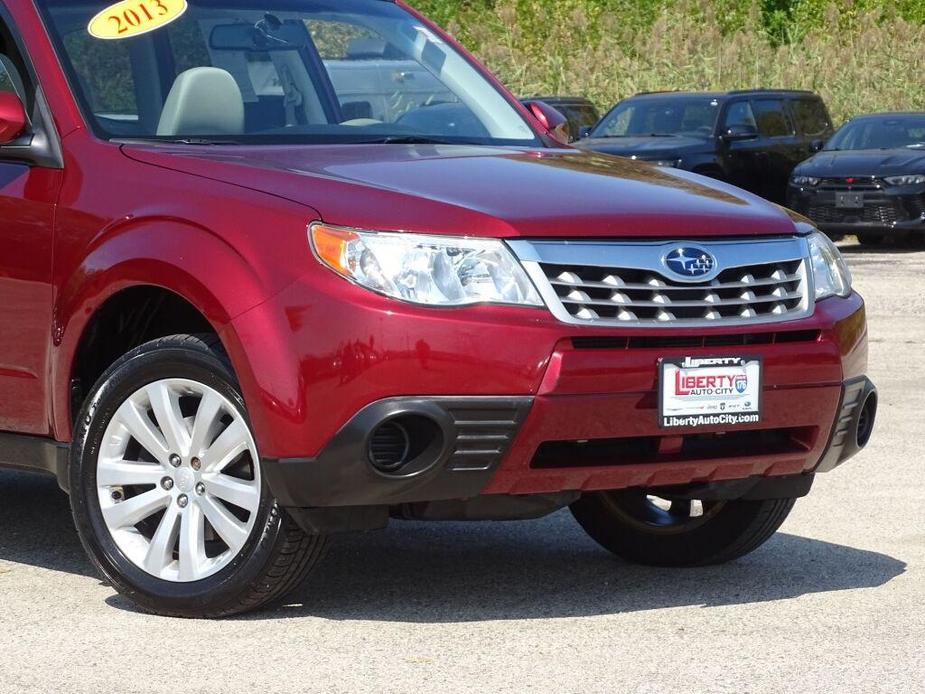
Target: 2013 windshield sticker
(134, 17)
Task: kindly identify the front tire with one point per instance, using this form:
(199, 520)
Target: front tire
(645, 529)
(166, 489)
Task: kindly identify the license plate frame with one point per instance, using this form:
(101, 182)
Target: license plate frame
(849, 200)
(705, 403)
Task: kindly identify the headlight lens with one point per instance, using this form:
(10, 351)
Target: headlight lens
(671, 163)
(804, 180)
(425, 269)
(830, 272)
(905, 180)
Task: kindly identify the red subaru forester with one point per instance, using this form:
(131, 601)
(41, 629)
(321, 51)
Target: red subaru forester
(273, 271)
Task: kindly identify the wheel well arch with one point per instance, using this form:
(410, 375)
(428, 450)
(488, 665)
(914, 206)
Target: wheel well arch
(129, 318)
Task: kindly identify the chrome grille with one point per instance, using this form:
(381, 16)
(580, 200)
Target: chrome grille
(628, 284)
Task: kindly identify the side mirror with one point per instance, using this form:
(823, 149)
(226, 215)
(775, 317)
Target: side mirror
(12, 117)
(585, 131)
(817, 145)
(737, 133)
(552, 120)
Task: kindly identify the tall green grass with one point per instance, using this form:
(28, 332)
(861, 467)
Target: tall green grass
(861, 55)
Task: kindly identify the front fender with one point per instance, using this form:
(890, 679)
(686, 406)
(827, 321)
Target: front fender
(190, 261)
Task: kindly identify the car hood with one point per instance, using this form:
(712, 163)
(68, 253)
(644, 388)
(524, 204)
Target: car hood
(481, 191)
(644, 147)
(864, 162)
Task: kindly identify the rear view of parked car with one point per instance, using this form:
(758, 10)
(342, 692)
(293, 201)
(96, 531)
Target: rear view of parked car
(752, 139)
(869, 180)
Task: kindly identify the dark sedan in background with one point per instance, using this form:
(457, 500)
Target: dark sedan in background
(752, 139)
(869, 180)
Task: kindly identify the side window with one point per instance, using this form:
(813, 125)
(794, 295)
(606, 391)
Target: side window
(810, 116)
(13, 75)
(772, 118)
(6, 82)
(740, 114)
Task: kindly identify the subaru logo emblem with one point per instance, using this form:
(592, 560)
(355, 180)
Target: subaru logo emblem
(690, 262)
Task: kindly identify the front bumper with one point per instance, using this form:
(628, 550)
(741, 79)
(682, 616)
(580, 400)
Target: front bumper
(526, 405)
(884, 209)
(493, 446)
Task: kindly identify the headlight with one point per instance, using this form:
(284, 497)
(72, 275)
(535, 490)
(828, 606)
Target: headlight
(671, 163)
(424, 269)
(804, 180)
(905, 180)
(830, 272)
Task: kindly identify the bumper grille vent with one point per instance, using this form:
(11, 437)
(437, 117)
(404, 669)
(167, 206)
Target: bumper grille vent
(869, 214)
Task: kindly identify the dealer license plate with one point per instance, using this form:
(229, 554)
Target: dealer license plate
(849, 201)
(709, 391)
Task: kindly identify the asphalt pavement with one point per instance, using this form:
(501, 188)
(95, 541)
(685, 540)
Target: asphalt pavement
(834, 602)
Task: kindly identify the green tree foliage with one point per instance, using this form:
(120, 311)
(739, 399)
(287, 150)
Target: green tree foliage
(862, 55)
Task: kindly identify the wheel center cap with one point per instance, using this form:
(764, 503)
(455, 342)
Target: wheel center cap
(185, 479)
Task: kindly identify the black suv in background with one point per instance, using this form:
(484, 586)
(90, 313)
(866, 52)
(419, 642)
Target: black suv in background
(580, 112)
(752, 139)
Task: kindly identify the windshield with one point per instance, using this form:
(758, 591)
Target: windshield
(889, 132)
(653, 117)
(312, 71)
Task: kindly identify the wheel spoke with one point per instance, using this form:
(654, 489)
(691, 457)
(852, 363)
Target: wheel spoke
(242, 493)
(167, 514)
(228, 446)
(229, 528)
(123, 473)
(160, 551)
(143, 431)
(205, 426)
(192, 543)
(132, 511)
(165, 402)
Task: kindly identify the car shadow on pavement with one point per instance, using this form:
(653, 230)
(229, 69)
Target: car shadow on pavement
(36, 528)
(898, 247)
(457, 572)
(463, 572)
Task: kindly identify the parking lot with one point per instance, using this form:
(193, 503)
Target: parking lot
(833, 603)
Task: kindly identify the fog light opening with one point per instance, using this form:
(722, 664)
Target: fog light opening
(405, 444)
(866, 420)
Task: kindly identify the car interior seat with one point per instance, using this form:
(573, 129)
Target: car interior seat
(203, 101)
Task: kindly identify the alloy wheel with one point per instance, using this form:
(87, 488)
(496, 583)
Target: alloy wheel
(178, 480)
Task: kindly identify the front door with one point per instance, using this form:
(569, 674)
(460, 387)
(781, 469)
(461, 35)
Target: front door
(27, 204)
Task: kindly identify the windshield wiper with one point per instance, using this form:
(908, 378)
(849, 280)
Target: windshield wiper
(199, 141)
(172, 141)
(407, 140)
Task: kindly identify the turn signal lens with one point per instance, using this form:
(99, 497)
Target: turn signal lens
(331, 245)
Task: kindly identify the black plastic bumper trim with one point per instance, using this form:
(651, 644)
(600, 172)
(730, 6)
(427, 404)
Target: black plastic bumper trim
(475, 431)
(35, 454)
(843, 441)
